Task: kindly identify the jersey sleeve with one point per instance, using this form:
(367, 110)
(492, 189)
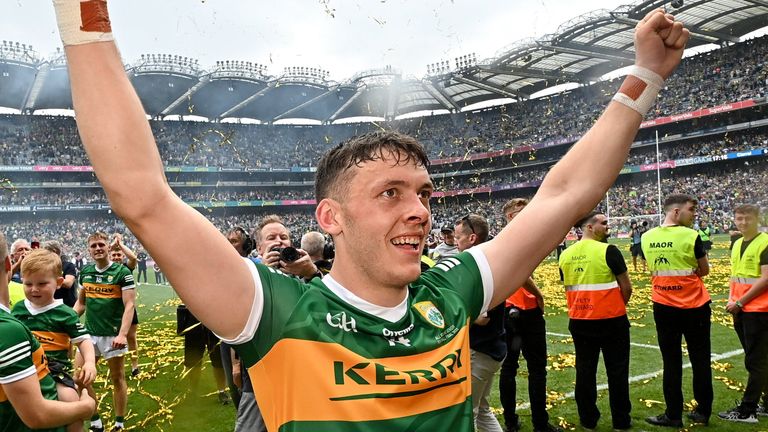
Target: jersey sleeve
(275, 296)
(469, 275)
(126, 279)
(74, 328)
(15, 353)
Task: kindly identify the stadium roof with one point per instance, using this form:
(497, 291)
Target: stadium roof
(580, 51)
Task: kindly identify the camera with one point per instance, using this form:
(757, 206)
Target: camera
(287, 254)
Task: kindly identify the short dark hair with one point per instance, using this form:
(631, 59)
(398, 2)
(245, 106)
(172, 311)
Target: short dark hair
(477, 224)
(590, 217)
(333, 171)
(747, 209)
(678, 199)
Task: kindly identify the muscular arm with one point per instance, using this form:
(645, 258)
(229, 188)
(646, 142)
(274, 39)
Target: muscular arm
(574, 186)
(39, 413)
(122, 150)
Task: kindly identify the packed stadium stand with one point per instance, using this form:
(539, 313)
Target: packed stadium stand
(710, 124)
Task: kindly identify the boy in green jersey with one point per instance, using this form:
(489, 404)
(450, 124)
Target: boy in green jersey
(374, 345)
(55, 325)
(28, 397)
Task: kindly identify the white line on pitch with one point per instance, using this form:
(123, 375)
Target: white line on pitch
(643, 377)
(631, 343)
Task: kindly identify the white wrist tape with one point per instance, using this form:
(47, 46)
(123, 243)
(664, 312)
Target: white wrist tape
(639, 90)
(83, 21)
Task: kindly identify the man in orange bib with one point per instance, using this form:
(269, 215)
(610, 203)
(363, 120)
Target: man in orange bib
(597, 287)
(677, 261)
(748, 303)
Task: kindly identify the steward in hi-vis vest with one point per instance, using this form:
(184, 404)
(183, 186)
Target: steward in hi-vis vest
(748, 303)
(677, 261)
(705, 232)
(526, 334)
(597, 288)
(590, 285)
(674, 264)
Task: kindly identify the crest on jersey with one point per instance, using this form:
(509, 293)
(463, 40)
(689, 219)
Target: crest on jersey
(109, 278)
(430, 312)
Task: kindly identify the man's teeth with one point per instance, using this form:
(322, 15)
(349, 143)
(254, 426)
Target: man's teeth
(406, 240)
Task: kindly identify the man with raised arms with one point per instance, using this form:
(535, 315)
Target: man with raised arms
(374, 345)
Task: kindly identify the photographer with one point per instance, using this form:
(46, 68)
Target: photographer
(274, 244)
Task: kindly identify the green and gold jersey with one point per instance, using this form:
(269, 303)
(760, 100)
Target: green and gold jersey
(104, 297)
(55, 326)
(21, 356)
(322, 359)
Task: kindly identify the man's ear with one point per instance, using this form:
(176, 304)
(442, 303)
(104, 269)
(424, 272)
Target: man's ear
(328, 214)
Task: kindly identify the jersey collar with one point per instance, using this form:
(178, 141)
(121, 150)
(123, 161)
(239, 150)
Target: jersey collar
(391, 314)
(34, 310)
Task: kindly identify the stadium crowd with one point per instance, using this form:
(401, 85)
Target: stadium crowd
(731, 74)
(736, 72)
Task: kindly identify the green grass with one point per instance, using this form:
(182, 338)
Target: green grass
(160, 400)
(646, 396)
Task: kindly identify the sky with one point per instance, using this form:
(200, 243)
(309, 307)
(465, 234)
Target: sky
(341, 36)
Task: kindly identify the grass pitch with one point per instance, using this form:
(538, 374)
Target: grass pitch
(160, 399)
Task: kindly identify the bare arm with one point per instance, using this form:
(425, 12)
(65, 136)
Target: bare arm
(79, 306)
(703, 268)
(39, 413)
(532, 288)
(129, 301)
(131, 264)
(625, 285)
(574, 186)
(122, 150)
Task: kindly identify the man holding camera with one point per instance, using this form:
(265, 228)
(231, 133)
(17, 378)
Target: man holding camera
(273, 240)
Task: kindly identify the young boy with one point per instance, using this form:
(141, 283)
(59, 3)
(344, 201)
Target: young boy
(55, 325)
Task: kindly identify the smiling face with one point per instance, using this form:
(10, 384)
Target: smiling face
(273, 234)
(40, 286)
(98, 249)
(382, 222)
(116, 256)
(746, 223)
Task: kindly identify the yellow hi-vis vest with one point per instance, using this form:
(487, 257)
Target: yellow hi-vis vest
(672, 262)
(745, 271)
(590, 285)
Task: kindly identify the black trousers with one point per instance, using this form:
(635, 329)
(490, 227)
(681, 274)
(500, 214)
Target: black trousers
(590, 337)
(141, 272)
(672, 324)
(752, 328)
(526, 334)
